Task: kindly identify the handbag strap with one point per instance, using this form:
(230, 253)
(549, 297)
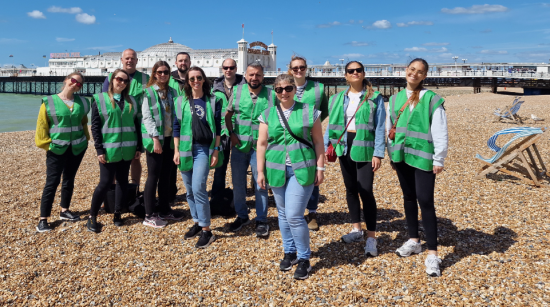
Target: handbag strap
(349, 122)
(299, 139)
(400, 112)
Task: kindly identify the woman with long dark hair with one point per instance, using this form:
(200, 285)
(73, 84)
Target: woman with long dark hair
(417, 146)
(356, 131)
(197, 128)
(62, 130)
(116, 132)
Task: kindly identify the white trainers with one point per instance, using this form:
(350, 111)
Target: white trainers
(370, 247)
(432, 265)
(356, 235)
(410, 247)
(154, 221)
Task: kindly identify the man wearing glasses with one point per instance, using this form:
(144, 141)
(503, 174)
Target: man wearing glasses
(224, 86)
(177, 79)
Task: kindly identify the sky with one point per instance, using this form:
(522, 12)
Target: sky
(381, 32)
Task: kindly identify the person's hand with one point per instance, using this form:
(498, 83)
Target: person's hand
(376, 162)
(438, 169)
(176, 157)
(137, 155)
(261, 180)
(235, 140)
(392, 166)
(319, 177)
(214, 159)
(101, 159)
(157, 148)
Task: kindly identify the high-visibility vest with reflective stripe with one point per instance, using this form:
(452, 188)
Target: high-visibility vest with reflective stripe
(413, 143)
(137, 86)
(66, 126)
(118, 129)
(223, 99)
(313, 94)
(154, 104)
(362, 148)
(246, 115)
(280, 142)
(185, 117)
(176, 86)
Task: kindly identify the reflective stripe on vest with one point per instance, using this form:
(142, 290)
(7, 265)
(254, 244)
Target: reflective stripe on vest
(247, 128)
(68, 129)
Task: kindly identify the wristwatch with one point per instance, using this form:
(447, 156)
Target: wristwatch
(218, 148)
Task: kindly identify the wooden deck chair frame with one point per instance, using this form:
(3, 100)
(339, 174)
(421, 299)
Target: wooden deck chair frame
(508, 110)
(514, 161)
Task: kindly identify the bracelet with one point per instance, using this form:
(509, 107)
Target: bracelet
(320, 168)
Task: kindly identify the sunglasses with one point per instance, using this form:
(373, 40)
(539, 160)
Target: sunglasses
(296, 68)
(354, 70)
(288, 89)
(73, 81)
(163, 72)
(228, 67)
(122, 80)
(192, 79)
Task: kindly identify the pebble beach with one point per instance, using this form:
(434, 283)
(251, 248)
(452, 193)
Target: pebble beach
(494, 237)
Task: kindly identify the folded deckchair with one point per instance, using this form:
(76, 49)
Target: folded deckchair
(511, 112)
(505, 158)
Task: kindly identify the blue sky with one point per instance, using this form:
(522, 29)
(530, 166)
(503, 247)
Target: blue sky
(373, 32)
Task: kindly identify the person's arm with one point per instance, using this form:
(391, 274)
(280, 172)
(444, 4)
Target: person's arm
(137, 125)
(380, 127)
(214, 159)
(440, 138)
(223, 130)
(96, 130)
(324, 106)
(218, 117)
(388, 122)
(148, 120)
(42, 135)
(176, 128)
(105, 87)
(261, 147)
(177, 150)
(317, 137)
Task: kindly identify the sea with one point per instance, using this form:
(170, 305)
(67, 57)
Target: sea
(18, 112)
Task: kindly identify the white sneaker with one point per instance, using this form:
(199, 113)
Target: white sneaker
(432, 265)
(154, 221)
(410, 247)
(370, 247)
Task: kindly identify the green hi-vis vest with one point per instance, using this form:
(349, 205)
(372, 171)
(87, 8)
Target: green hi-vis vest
(176, 86)
(185, 117)
(66, 126)
(118, 129)
(312, 94)
(413, 143)
(246, 115)
(223, 98)
(154, 104)
(280, 142)
(362, 148)
(137, 86)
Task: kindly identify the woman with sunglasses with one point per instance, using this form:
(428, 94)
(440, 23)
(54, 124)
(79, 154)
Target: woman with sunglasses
(356, 131)
(291, 160)
(197, 128)
(158, 117)
(62, 130)
(115, 129)
(312, 93)
(417, 151)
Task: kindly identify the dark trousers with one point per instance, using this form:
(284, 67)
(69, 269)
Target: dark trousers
(56, 165)
(159, 168)
(173, 180)
(418, 185)
(107, 173)
(220, 174)
(313, 202)
(358, 179)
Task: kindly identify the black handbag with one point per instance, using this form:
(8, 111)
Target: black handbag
(297, 138)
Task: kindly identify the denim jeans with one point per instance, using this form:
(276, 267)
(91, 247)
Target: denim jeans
(239, 166)
(313, 202)
(195, 184)
(291, 200)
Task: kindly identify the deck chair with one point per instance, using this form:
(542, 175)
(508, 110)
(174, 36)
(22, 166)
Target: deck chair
(510, 112)
(505, 158)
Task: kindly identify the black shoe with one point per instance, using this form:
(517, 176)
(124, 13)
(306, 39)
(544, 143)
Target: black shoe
(117, 219)
(172, 215)
(194, 231)
(288, 261)
(206, 238)
(43, 226)
(238, 224)
(262, 229)
(303, 269)
(69, 216)
(92, 225)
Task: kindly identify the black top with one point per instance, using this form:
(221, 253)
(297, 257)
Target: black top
(200, 107)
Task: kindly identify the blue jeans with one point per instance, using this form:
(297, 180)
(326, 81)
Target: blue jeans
(239, 166)
(195, 184)
(313, 202)
(291, 200)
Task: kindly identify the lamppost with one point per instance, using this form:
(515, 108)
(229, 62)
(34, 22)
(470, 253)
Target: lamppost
(464, 60)
(455, 58)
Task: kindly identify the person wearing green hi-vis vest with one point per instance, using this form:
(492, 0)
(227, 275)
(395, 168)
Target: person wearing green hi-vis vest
(356, 131)
(197, 130)
(249, 100)
(417, 149)
(312, 93)
(177, 78)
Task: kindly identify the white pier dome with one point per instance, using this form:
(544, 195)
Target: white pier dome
(170, 49)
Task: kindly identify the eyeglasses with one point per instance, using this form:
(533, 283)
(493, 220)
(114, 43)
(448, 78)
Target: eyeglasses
(163, 72)
(192, 79)
(288, 89)
(229, 67)
(73, 81)
(122, 80)
(296, 68)
(354, 70)
(417, 72)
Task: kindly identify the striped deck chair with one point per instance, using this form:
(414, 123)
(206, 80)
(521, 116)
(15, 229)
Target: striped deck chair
(504, 158)
(511, 112)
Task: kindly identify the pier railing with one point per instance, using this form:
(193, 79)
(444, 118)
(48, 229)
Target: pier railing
(444, 74)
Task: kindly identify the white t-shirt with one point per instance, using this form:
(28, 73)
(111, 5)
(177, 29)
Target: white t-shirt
(69, 103)
(354, 100)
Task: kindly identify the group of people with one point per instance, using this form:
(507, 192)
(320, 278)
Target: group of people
(182, 122)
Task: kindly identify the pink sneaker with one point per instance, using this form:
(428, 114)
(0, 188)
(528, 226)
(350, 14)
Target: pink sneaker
(154, 221)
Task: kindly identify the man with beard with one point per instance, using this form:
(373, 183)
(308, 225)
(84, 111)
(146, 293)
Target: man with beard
(249, 101)
(177, 79)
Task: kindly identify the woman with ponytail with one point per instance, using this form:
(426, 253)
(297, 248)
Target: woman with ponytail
(417, 146)
(356, 131)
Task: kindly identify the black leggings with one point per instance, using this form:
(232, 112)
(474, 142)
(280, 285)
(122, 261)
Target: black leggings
(159, 168)
(358, 179)
(107, 173)
(417, 184)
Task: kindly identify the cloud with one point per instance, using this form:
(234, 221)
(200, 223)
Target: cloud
(435, 44)
(358, 44)
(10, 41)
(85, 18)
(442, 49)
(414, 23)
(62, 39)
(533, 56)
(352, 21)
(485, 51)
(36, 14)
(105, 48)
(382, 24)
(353, 55)
(486, 31)
(416, 49)
(476, 9)
(328, 25)
(71, 10)
(360, 21)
